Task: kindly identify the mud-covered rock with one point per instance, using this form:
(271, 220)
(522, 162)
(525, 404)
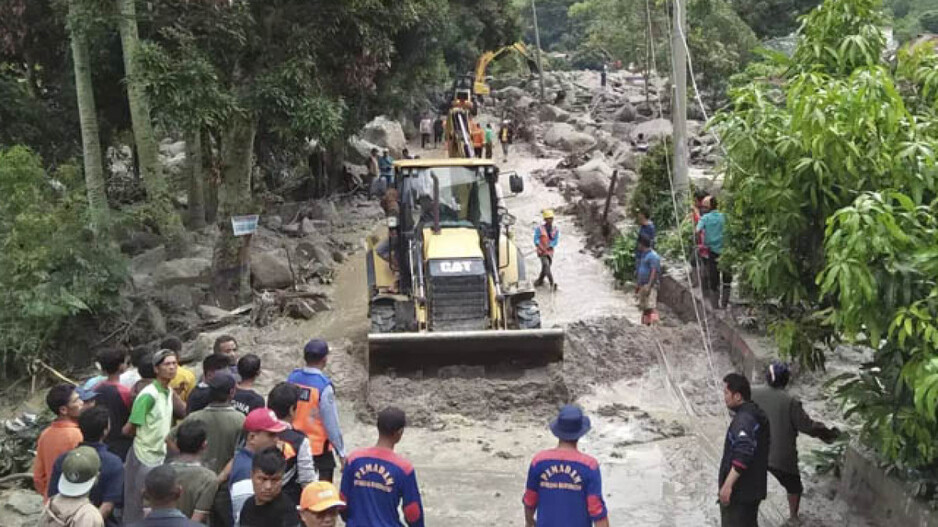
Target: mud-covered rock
(625, 114)
(550, 113)
(594, 185)
(654, 129)
(359, 150)
(509, 93)
(565, 137)
(182, 271)
(387, 134)
(270, 270)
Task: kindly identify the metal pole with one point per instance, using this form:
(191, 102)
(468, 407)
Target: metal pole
(537, 42)
(679, 104)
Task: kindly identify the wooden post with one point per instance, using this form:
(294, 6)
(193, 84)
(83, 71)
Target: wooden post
(612, 190)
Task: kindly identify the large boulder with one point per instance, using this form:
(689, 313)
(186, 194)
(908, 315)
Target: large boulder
(387, 134)
(523, 103)
(173, 149)
(270, 270)
(594, 185)
(359, 150)
(509, 93)
(551, 114)
(565, 137)
(654, 129)
(625, 114)
(597, 164)
(182, 271)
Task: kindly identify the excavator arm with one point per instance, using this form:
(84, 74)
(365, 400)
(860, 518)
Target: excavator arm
(481, 87)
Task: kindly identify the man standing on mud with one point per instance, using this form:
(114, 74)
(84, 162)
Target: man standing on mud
(377, 481)
(648, 277)
(745, 463)
(786, 418)
(546, 237)
(564, 487)
(316, 413)
(150, 421)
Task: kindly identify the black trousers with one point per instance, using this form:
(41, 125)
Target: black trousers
(715, 278)
(546, 262)
(424, 139)
(739, 515)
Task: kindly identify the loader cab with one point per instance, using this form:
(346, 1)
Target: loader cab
(441, 199)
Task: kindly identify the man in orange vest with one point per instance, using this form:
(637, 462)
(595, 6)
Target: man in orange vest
(316, 413)
(478, 140)
(546, 237)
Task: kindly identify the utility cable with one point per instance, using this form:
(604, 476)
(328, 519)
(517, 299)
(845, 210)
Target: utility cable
(702, 322)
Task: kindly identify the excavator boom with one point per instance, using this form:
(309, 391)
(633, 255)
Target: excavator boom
(481, 87)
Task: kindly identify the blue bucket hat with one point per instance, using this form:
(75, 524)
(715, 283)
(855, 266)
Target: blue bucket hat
(570, 423)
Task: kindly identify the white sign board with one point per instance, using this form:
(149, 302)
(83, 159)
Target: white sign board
(244, 225)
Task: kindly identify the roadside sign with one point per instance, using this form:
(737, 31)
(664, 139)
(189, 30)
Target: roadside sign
(244, 225)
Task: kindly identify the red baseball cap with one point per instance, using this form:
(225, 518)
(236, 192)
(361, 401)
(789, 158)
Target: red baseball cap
(263, 420)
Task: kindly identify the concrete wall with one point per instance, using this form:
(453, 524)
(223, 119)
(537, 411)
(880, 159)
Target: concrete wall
(863, 483)
(749, 359)
(867, 486)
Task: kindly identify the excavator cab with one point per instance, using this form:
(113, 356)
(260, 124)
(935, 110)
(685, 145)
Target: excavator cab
(449, 285)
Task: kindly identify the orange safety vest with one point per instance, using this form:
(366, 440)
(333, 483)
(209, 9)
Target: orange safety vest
(478, 136)
(307, 418)
(544, 241)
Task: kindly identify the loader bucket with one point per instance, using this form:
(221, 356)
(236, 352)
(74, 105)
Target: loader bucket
(521, 348)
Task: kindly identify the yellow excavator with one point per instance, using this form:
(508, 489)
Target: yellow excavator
(480, 86)
(447, 284)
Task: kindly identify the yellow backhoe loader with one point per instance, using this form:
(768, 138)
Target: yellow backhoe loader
(447, 284)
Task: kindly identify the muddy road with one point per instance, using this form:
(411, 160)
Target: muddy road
(656, 404)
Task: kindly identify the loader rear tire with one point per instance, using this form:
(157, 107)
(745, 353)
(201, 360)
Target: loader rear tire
(383, 319)
(528, 315)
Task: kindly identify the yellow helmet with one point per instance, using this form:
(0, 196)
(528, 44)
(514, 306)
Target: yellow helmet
(548, 214)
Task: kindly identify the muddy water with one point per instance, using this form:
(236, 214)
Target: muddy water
(657, 416)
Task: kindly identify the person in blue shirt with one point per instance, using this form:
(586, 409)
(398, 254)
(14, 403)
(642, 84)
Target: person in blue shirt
(162, 490)
(108, 492)
(376, 480)
(648, 278)
(386, 168)
(711, 224)
(564, 487)
(262, 428)
(646, 228)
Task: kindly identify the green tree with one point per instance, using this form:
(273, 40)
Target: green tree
(773, 18)
(158, 195)
(55, 268)
(833, 184)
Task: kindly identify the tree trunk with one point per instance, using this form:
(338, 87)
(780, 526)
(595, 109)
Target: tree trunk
(210, 173)
(88, 119)
(231, 262)
(196, 180)
(147, 148)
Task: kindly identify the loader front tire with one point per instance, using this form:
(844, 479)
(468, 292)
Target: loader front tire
(383, 319)
(528, 315)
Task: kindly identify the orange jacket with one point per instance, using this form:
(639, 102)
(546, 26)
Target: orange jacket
(59, 438)
(478, 136)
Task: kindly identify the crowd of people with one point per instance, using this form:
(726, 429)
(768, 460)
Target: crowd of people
(147, 444)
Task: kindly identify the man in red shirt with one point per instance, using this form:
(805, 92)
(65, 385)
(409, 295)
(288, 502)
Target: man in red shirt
(60, 437)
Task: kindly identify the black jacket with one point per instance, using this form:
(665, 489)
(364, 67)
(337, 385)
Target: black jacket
(747, 449)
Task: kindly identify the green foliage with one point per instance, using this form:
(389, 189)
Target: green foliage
(669, 243)
(54, 268)
(833, 215)
(929, 21)
(621, 258)
(653, 189)
(773, 18)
